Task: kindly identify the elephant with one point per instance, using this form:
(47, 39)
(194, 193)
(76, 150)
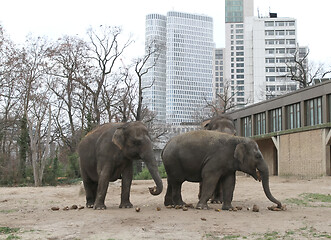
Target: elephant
(207, 157)
(220, 123)
(107, 153)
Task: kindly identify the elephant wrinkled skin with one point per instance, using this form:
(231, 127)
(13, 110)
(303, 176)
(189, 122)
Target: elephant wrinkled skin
(106, 154)
(210, 156)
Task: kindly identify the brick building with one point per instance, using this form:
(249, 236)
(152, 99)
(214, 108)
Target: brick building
(293, 131)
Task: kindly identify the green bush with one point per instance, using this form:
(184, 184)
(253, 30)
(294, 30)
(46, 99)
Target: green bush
(145, 175)
(73, 170)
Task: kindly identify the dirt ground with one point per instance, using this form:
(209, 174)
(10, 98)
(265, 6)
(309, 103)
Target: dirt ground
(25, 213)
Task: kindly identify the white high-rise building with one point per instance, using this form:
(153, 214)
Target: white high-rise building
(259, 51)
(189, 65)
(154, 83)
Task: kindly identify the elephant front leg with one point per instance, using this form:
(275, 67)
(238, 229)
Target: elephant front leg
(127, 175)
(103, 184)
(228, 184)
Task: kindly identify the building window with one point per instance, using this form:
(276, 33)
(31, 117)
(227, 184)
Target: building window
(275, 120)
(293, 119)
(260, 123)
(247, 126)
(314, 111)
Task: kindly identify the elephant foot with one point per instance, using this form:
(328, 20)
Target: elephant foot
(168, 201)
(89, 205)
(126, 205)
(100, 207)
(202, 206)
(217, 201)
(226, 206)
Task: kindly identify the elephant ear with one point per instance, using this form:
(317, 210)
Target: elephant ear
(205, 124)
(118, 138)
(239, 152)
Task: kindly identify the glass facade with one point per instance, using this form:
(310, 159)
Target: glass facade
(293, 114)
(247, 126)
(189, 66)
(275, 120)
(154, 82)
(313, 111)
(260, 123)
(234, 11)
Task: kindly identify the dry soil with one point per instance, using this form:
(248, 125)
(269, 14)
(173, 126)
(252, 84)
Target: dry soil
(25, 213)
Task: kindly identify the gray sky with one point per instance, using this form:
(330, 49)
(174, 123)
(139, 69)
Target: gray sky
(70, 17)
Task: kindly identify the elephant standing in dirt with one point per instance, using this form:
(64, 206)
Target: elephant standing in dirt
(106, 154)
(220, 123)
(210, 156)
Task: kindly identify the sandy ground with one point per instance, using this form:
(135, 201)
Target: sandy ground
(25, 213)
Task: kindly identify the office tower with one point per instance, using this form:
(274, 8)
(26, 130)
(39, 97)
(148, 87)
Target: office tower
(236, 11)
(189, 65)
(259, 51)
(154, 83)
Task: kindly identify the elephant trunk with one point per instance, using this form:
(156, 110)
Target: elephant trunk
(263, 169)
(152, 168)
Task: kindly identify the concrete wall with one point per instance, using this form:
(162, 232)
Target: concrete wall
(303, 154)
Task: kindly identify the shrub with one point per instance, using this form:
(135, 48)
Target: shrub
(145, 175)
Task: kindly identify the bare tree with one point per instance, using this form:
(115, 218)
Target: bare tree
(69, 65)
(300, 71)
(40, 135)
(106, 49)
(141, 67)
(223, 101)
(32, 72)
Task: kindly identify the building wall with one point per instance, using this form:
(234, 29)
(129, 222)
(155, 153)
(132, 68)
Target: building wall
(302, 154)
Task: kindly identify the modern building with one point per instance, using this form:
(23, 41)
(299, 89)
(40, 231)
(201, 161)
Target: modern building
(189, 66)
(259, 52)
(154, 83)
(293, 131)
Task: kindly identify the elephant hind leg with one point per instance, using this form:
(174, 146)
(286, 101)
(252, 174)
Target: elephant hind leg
(173, 196)
(208, 185)
(91, 192)
(168, 197)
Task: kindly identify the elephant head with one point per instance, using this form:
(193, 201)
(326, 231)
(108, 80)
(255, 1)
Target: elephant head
(250, 160)
(135, 143)
(220, 123)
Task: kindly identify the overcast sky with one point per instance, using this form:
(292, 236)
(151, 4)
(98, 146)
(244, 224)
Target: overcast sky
(70, 17)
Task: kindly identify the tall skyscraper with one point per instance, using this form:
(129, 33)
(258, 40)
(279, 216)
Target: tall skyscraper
(154, 83)
(258, 53)
(189, 65)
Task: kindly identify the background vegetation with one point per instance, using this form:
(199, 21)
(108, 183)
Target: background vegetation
(55, 91)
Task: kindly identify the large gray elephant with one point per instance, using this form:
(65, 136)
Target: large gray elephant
(106, 154)
(220, 123)
(210, 156)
